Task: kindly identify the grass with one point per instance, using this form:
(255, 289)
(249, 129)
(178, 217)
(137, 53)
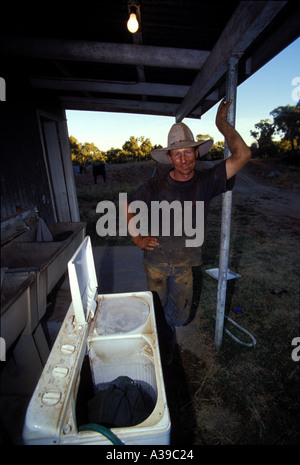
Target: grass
(237, 395)
(250, 396)
(88, 200)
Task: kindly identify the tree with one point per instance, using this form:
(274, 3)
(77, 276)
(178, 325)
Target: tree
(131, 148)
(216, 151)
(203, 137)
(112, 155)
(75, 148)
(84, 154)
(90, 153)
(287, 121)
(145, 148)
(264, 134)
(134, 151)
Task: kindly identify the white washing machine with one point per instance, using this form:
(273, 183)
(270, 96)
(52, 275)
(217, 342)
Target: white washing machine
(117, 335)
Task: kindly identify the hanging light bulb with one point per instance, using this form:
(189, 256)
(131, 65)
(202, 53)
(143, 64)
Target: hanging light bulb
(134, 12)
(132, 23)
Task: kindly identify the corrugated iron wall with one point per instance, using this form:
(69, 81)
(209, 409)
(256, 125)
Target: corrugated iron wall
(24, 182)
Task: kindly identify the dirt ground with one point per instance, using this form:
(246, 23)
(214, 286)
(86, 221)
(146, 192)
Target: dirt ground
(238, 395)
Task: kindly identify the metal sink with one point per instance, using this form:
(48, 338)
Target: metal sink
(48, 260)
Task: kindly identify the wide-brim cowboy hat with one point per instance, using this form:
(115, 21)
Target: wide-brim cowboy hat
(180, 136)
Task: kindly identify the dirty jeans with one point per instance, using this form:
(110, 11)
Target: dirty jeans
(174, 285)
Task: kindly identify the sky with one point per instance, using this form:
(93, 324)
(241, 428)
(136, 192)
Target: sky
(275, 84)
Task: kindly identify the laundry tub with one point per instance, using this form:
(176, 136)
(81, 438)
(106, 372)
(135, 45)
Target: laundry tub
(97, 331)
(18, 306)
(47, 259)
(26, 348)
(62, 231)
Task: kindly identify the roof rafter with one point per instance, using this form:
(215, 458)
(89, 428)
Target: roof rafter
(246, 23)
(130, 54)
(115, 87)
(123, 106)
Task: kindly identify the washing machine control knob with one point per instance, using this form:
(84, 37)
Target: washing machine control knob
(60, 371)
(51, 398)
(67, 349)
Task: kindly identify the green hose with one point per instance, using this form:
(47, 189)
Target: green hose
(104, 431)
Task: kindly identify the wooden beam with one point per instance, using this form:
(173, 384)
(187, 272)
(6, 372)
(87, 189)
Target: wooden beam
(246, 23)
(285, 34)
(130, 54)
(114, 87)
(123, 106)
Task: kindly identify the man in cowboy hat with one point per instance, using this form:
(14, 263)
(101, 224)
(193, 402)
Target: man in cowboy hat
(167, 260)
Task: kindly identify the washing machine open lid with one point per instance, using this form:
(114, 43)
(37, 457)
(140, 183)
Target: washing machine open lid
(83, 282)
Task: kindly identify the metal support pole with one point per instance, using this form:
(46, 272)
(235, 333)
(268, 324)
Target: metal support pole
(231, 85)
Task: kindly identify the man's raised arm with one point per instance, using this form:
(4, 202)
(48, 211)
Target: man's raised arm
(240, 152)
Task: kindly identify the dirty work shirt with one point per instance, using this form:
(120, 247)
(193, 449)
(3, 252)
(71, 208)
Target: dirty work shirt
(168, 267)
(205, 185)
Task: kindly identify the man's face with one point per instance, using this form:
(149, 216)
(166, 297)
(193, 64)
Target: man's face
(184, 161)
